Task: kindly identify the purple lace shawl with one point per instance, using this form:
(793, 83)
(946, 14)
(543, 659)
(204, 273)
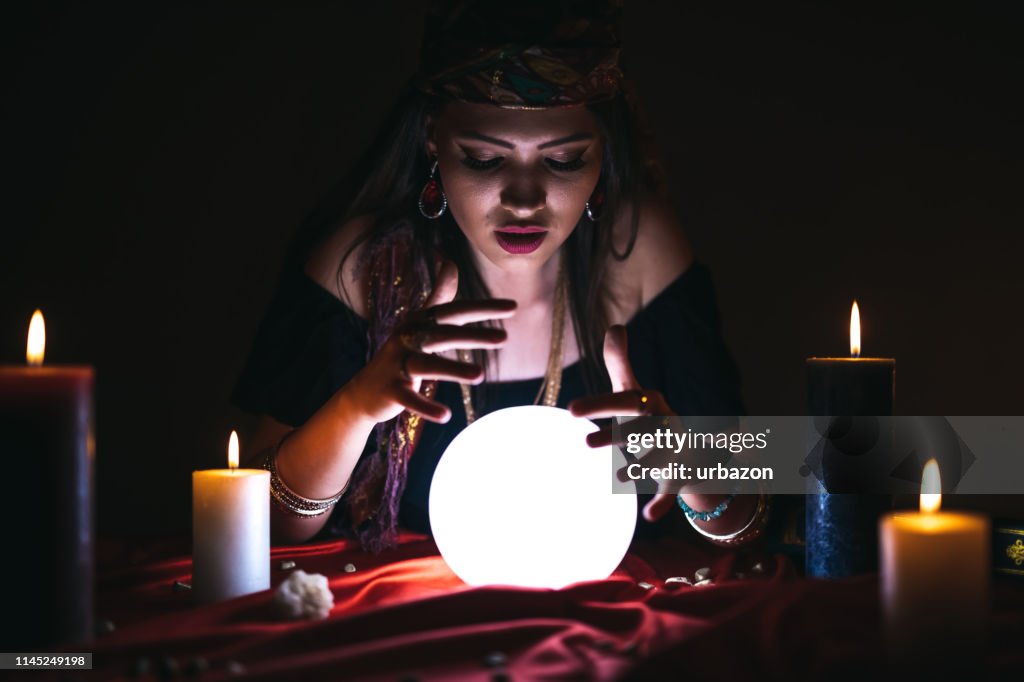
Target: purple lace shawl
(399, 281)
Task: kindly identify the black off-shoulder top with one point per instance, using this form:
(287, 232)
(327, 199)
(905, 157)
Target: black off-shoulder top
(310, 344)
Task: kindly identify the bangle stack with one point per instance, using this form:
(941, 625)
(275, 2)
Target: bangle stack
(753, 529)
(292, 502)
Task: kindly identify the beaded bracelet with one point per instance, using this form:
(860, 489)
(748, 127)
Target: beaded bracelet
(692, 513)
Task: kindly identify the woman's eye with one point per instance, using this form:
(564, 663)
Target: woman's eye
(487, 164)
(573, 165)
(481, 164)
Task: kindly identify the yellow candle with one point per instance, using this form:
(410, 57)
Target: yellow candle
(230, 530)
(935, 581)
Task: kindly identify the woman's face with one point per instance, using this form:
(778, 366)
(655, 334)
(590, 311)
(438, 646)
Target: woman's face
(516, 180)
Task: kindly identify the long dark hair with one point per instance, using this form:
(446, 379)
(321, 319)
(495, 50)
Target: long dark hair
(387, 180)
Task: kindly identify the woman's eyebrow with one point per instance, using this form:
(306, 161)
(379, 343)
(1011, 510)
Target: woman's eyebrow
(576, 137)
(474, 135)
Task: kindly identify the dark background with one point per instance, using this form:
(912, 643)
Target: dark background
(159, 158)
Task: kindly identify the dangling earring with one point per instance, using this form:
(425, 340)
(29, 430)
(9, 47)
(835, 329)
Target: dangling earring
(433, 202)
(595, 207)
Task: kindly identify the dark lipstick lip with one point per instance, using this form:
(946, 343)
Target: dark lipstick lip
(522, 229)
(520, 242)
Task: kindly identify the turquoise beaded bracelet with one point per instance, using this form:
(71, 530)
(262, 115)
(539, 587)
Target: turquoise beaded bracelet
(704, 515)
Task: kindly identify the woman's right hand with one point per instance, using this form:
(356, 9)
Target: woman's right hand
(390, 382)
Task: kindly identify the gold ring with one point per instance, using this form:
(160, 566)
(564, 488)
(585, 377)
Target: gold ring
(413, 340)
(645, 402)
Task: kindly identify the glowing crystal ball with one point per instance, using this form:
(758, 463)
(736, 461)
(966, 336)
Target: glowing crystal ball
(519, 498)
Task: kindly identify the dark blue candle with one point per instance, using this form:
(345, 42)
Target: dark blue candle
(842, 527)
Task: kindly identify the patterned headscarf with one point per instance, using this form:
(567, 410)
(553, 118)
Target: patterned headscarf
(526, 54)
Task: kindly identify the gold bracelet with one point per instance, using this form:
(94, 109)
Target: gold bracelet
(288, 499)
(753, 529)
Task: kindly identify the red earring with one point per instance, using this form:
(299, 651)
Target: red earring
(433, 202)
(595, 207)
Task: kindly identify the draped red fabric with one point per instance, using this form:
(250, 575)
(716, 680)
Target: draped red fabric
(405, 615)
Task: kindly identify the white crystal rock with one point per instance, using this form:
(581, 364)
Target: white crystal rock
(304, 595)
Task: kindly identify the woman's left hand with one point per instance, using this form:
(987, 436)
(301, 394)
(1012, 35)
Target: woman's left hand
(627, 399)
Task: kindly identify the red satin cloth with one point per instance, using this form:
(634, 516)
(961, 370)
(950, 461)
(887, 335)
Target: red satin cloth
(405, 614)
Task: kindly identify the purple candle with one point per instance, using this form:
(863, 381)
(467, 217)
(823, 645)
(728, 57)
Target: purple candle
(46, 426)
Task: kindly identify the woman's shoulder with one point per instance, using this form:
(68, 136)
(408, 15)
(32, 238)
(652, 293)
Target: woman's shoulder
(344, 248)
(661, 254)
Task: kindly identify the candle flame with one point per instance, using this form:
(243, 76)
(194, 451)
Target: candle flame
(855, 331)
(233, 450)
(931, 488)
(36, 348)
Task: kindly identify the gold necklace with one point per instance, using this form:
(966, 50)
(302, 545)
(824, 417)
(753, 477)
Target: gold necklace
(552, 383)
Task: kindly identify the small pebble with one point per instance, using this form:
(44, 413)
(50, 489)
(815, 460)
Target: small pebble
(678, 579)
(196, 667)
(140, 668)
(646, 586)
(702, 583)
(179, 586)
(287, 565)
(630, 646)
(702, 573)
(604, 644)
(501, 676)
(495, 659)
(350, 568)
(104, 626)
(234, 668)
(168, 668)
(757, 568)
(740, 575)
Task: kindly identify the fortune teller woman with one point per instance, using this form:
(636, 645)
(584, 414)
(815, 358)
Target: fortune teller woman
(501, 240)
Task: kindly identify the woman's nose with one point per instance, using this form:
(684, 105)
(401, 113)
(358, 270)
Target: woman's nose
(523, 196)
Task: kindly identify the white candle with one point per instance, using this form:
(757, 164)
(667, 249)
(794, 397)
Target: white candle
(230, 530)
(935, 581)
